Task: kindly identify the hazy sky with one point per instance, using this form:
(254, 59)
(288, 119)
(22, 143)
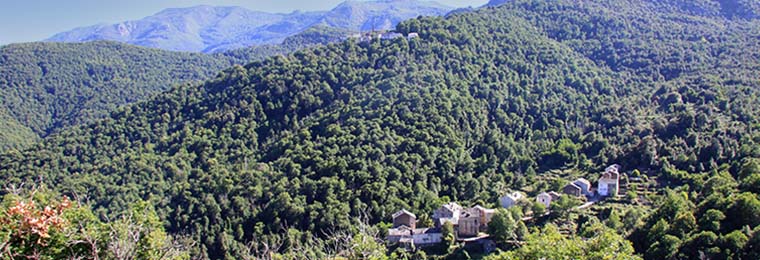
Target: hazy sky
(34, 20)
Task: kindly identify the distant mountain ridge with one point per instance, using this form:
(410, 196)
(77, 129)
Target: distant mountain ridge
(218, 28)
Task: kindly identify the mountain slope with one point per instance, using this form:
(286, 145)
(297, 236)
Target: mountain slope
(215, 29)
(46, 86)
(197, 29)
(14, 135)
(298, 144)
(49, 86)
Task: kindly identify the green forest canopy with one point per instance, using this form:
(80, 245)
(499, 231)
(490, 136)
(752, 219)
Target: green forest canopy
(45, 87)
(480, 102)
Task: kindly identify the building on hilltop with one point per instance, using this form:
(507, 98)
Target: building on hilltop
(390, 35)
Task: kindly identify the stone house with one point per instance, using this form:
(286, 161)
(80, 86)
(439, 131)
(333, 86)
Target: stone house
(410, 238)
(585, 186)
(469, 224)
(449, 212)
(572, 190)
(404, 218)
(485, 215)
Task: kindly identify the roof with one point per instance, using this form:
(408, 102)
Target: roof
(403, 212)
(453, 221)
(614, 176)
(614, 167)
(400, 231)
(554, 194)
(486, 210)
(468, 215)
(583, 181)
(573, 185)
(407, 231)
(611, 173)
(514, 196)
(452, 206)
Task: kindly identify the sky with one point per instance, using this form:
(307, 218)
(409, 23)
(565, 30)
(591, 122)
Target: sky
(35, 20)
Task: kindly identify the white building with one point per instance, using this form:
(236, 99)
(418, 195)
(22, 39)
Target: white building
(391, 35)
(609, 183)
(546, 198)
(509, 200)
(412, 35)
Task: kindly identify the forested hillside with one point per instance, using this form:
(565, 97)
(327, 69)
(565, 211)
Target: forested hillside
(13, 134)
(48, 86)
(298, 146)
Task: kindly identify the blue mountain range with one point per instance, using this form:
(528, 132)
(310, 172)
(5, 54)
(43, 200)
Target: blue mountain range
(214, 28)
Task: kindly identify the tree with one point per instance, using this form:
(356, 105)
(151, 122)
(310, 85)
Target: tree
(502, 226)
(665, 247)
(448, 236)
(40, 227)
(711, 220)
(424, 221)
(550, 244)
(367, 247)
(705, 242)
(31, 230)
(522, 231)
(744, 211)
(562, 207)
(614, 222)
(684, 224)
(657, 231)
(301, 142)
(751, 249)
(733, 243)
(749, 168)
(538, 208)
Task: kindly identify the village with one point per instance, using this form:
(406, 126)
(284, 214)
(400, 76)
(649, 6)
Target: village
(471, 224)
(381, 35)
